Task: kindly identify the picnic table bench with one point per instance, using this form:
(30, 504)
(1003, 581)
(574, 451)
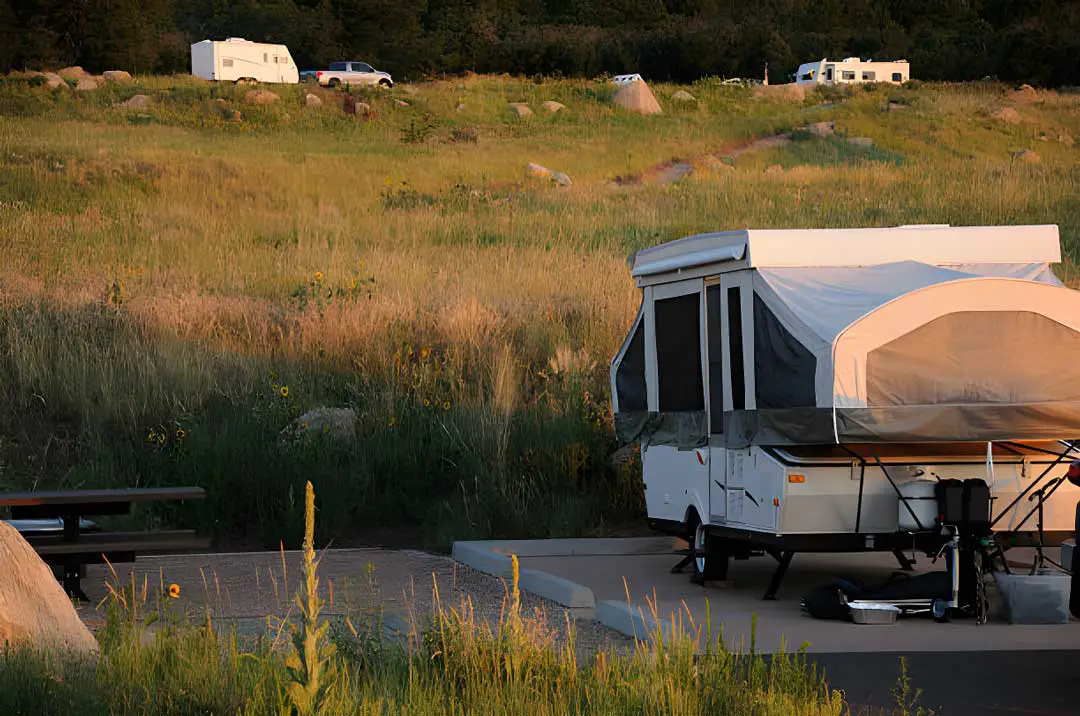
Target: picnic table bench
(72, 546)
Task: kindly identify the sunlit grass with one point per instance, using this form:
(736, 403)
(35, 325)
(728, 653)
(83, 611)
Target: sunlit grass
(158, 265)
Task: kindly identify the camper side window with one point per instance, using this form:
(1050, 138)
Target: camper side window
(844, 75)
(630, 375)
(227, 62)
(678, 353)
(266, 57)
(735, 346)
(868, 76)
(897, 77)
(715, 324)
(807, 75)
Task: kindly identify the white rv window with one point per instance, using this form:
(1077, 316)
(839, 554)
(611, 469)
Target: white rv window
(678, 353)
(844, 75)
(897, 77)
(868, 76)
(227, 62)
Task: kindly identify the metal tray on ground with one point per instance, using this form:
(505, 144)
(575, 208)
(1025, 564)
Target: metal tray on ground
(873, 612)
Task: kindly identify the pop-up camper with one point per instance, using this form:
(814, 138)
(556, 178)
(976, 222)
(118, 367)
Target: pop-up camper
(807, 390)
(852, 70)
(240, 60)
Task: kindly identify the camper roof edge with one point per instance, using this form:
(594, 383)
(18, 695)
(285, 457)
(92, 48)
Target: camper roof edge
(938, 245)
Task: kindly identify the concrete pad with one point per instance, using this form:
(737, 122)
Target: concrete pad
(577, 547)
(645, 583)
(629, 620)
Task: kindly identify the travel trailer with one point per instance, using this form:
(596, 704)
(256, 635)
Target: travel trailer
(812, 390)
(240, 60)
(852, 70)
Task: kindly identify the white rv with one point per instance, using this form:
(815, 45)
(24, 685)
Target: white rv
(852, 70)
(805, 390)
(240, 60)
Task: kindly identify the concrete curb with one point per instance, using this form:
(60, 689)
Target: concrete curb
(557, 589)
(493, 557)
(632, 621)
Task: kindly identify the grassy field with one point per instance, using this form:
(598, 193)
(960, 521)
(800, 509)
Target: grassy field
(178, 283)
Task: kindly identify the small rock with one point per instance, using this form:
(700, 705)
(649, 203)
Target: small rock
(116, 76)
(1027, 155)
(683, 96)
(535, 170)
(86, 84)
(461, 108)
(521, 109)
(1066, 140)
(139, 101)
(259, 96)
(335, 423)
(312, 100)
(54, 80)
(863, 142)
(363, 109)
(553, 106)
(822, 129)
(1008, 115)
(561, 179)
(73, 73)
(401, 103)
(775, 169)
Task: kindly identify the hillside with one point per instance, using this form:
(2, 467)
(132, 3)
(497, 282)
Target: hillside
(181, 280)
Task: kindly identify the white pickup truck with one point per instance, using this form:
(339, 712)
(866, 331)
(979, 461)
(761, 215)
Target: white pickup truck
(350, 73)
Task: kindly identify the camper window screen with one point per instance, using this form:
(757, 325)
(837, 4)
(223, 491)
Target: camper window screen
(715, 324)
(783, 368)
(678, 353)
(630, 375)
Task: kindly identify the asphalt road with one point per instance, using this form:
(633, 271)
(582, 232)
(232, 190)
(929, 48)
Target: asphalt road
(962, 683)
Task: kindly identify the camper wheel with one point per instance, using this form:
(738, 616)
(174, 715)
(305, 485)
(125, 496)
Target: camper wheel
(709, 553)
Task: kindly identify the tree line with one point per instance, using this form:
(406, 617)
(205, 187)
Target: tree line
(1034, 41)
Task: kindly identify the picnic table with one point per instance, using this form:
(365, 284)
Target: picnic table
(75, 547)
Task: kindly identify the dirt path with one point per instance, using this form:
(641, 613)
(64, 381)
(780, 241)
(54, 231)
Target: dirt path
(242, 589)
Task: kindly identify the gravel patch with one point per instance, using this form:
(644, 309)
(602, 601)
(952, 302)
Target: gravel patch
(399, 588)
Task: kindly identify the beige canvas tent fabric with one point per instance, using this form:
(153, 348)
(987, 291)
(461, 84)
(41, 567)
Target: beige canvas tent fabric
(637, 97)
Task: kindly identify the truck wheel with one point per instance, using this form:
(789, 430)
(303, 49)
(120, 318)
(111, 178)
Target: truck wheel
(710, 555)
(333, 83)
(385, 84)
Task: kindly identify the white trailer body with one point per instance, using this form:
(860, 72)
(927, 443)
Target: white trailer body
(787, 387)
(852, 70)
(240, 60)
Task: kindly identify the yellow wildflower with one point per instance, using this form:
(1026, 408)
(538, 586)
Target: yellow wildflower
(446, 405)
(392, 421)
(318, 277)
(181, 433)
(427, 403)
(284, 391)
(424, 352)
(174, 591)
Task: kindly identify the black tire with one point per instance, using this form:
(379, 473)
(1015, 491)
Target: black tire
(386, 84)
(333, 83)
(941, 611)
(707, 553)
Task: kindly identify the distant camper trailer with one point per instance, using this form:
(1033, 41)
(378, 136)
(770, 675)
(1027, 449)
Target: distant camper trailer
(239, 60)
(852, 70)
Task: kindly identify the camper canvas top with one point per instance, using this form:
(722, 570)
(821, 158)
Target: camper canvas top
(910, 334)
(936, 245)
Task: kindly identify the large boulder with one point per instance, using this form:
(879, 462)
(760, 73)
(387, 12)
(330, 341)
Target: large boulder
(335, 423)
(53, 80)
(552, 106)
(73, 73)
(34, 610)
(788, 93)
(139, 101)
(521, 109)
(637, 97)
(683, 96)
(1024, 94)
(1008, 115)
(116, 76)
(86, 84)
(312, 100)
(259, 96)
